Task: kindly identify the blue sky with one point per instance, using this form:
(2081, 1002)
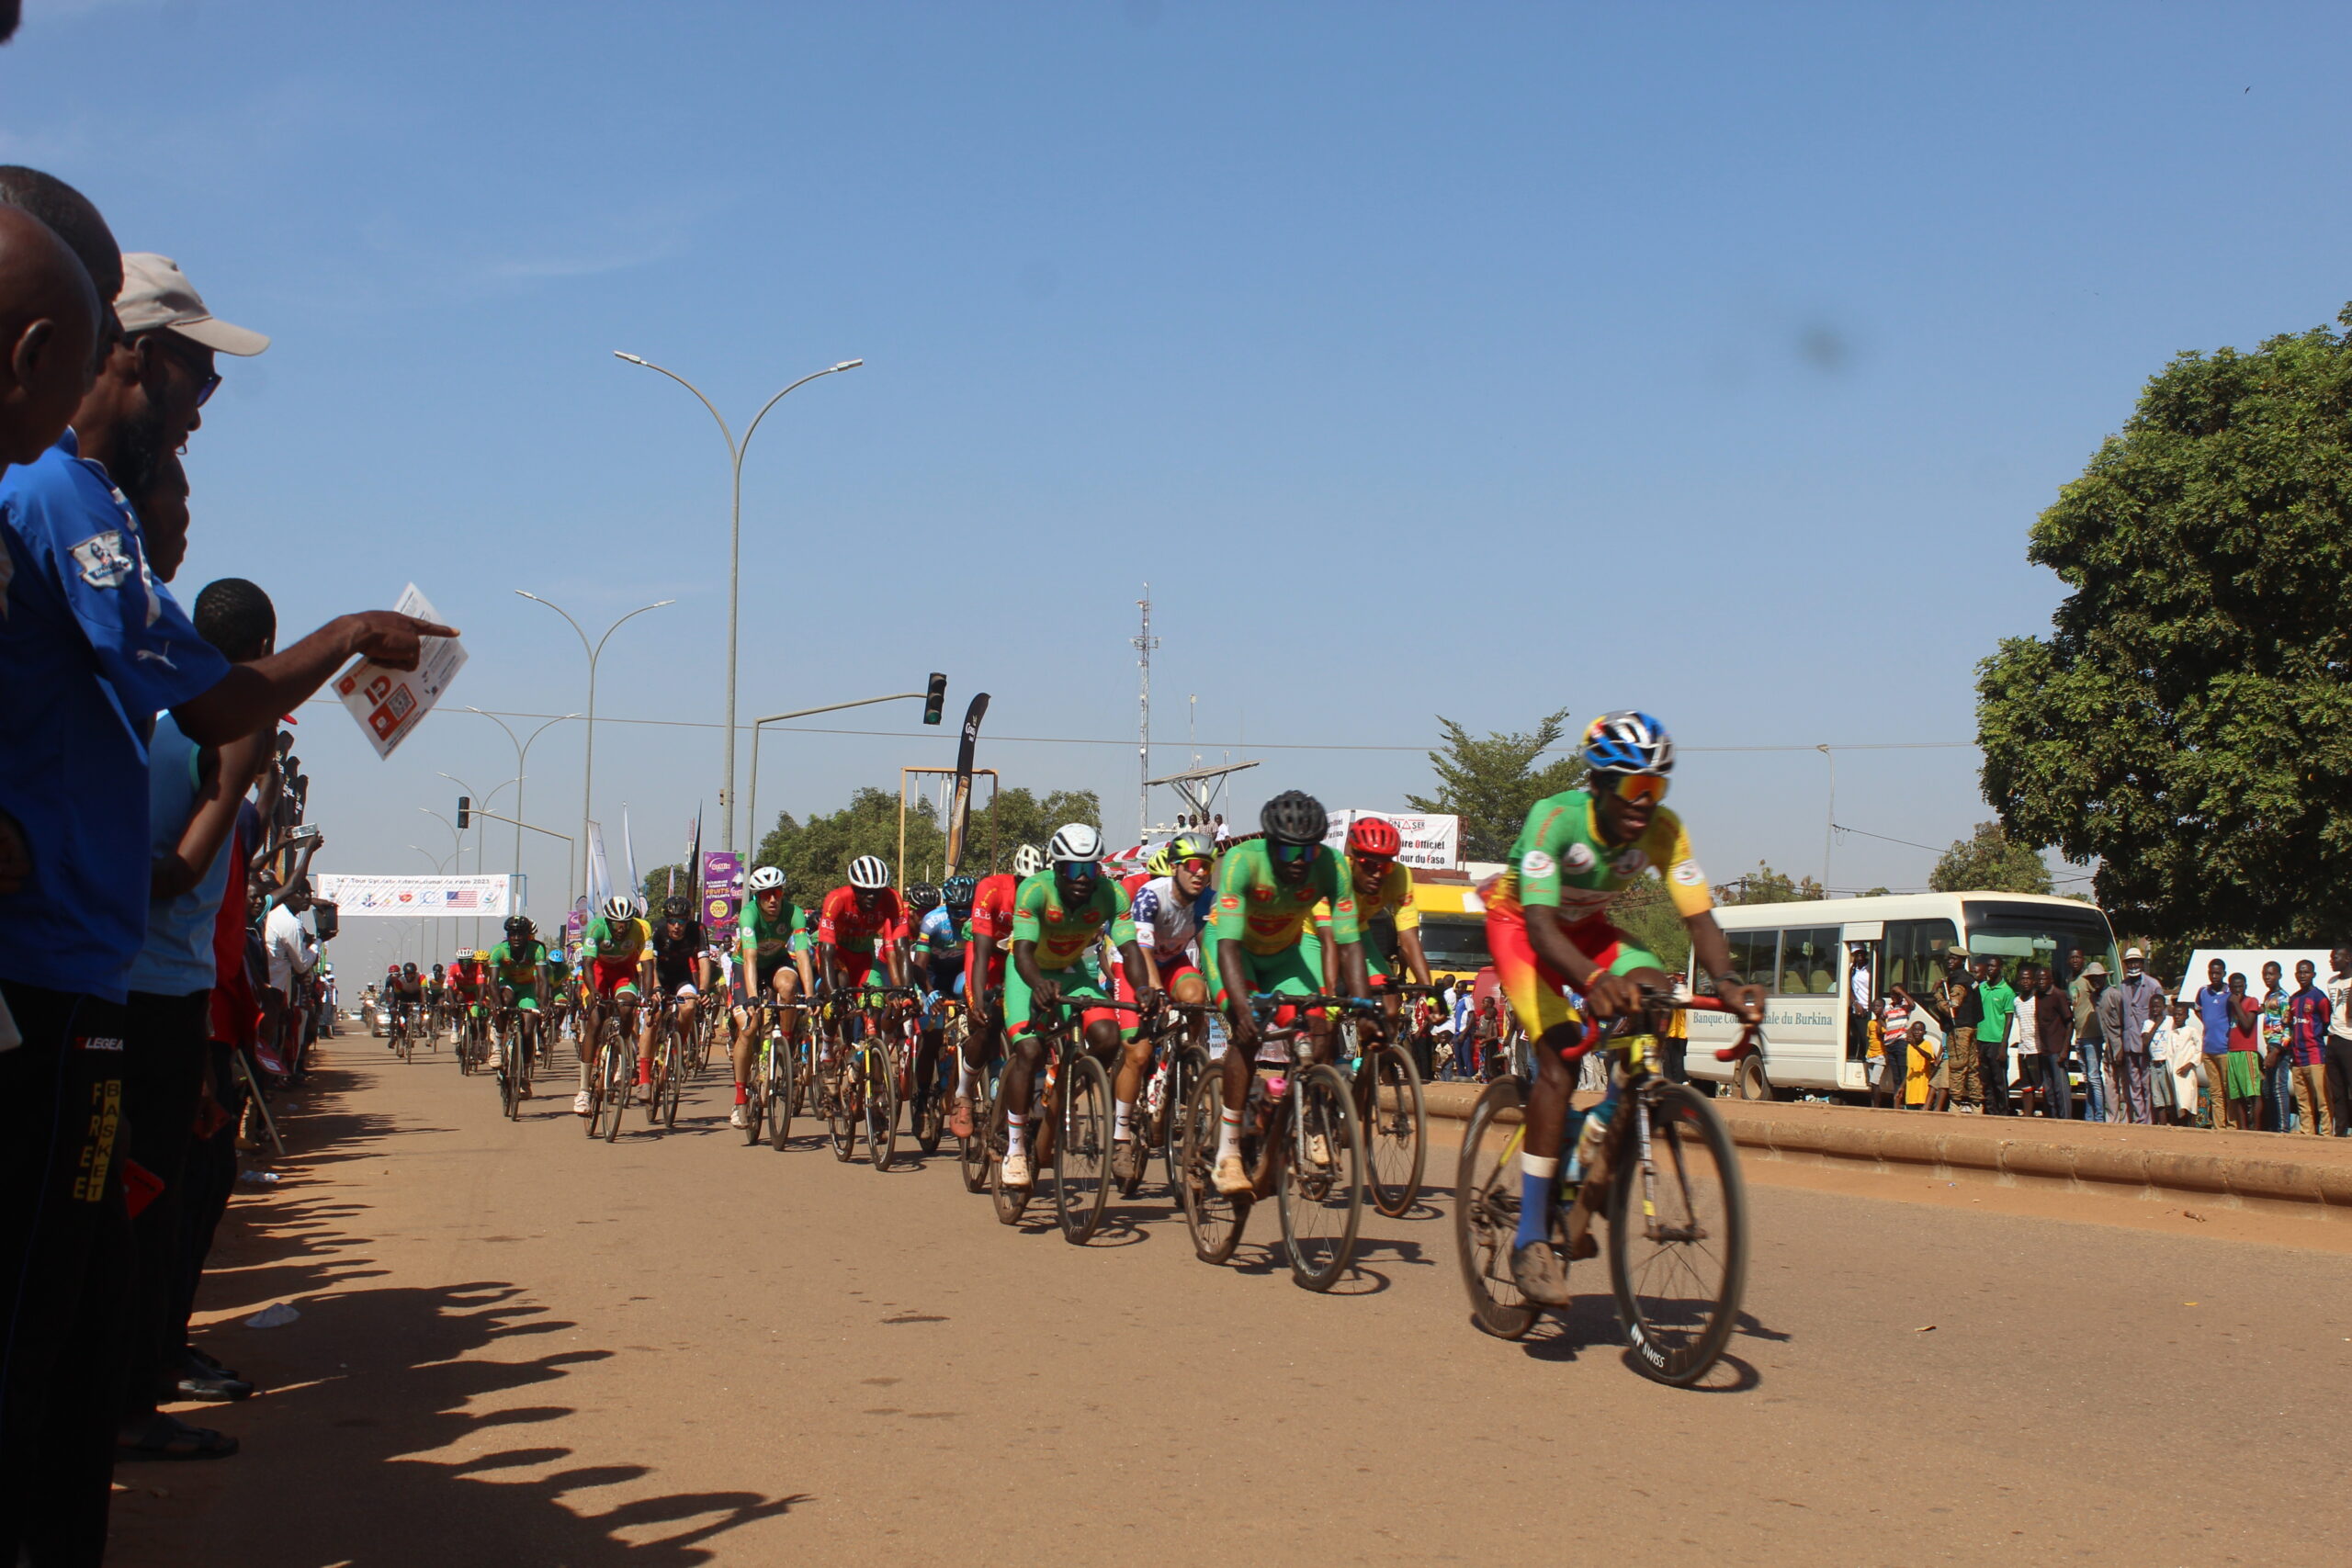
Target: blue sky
(1426, 359)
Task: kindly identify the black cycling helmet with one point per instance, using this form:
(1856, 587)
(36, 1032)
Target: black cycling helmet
(411, 968)
(923, 897)
(957, 892)
(677, 906)
(520, 925)
(1294, 817)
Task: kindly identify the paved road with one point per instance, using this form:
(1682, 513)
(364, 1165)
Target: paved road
(518, 1347)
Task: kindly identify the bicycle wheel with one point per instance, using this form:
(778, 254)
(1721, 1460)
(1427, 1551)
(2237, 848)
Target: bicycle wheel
(1082, 1151)
(459, 1044)
(839, 1089)
(881, 1108)
(510, 1077)
(1678, 1237)
(1011, 1201)
(613, 1073)
(1323, 1204)
(1189, 1067)
(1486, 1213)
(1214, 1219)
(674, 1062)
(931, 1104)
(1396, 1133)
(757, 1107)
(972, 1159)
(399, 1040)
(777, 1090)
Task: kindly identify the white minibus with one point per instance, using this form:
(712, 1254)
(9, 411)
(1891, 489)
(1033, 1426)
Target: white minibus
(1800, 953)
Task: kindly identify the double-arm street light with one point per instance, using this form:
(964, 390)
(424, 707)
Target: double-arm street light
(735, 450)
(478, 800)
(588, 767)
(522, 759)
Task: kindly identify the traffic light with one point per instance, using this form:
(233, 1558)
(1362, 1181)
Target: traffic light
(465, 810)
(936, 699)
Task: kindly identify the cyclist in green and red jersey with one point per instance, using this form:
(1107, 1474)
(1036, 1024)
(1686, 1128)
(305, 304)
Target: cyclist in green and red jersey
(1547, 923)
(1266, 889)
(986, 930)
(1057, 917)
(617, 950)
(773, 939)
(518, 968)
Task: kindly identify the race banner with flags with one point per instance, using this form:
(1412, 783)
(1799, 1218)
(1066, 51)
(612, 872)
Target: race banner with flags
(355, 895)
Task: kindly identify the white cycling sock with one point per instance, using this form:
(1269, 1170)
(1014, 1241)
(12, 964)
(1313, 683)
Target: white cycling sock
(967, 1080)
(1016, 1131)
(1229, 1135)
(1119, 1133)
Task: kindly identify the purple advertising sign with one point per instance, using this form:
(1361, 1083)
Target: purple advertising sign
(722, 891)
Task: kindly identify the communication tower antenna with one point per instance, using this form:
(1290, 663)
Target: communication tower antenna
(1144, 643)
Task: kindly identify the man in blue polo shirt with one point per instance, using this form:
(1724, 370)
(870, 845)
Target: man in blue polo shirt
(91, 649)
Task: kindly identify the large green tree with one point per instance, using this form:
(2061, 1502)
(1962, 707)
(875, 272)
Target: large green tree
(1990, 860)
(2188, 722)
(1492, 782)
(1765, 886)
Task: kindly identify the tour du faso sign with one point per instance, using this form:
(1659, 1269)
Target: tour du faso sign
(431, 897)
(1431, 842)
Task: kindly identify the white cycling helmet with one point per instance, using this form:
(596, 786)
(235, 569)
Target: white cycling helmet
(1027, 861)
(620, 907)
(767, 879)
(1074, 841)
(868, 872)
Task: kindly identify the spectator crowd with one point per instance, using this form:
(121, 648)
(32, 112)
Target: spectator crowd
(2257, 1055)
(150, 865)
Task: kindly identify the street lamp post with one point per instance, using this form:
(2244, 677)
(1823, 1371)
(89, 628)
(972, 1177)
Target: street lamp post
(735, 450)
(456, 856)
(1829, 832)
(522, 756)
(594, 652)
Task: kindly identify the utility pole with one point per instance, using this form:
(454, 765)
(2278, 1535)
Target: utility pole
(1144, 643)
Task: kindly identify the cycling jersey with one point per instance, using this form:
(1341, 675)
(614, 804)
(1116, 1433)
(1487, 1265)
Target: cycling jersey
(941, 946)
(1166, 922)
(1266, 915)
(991, 917)
(1560, 862)
(1391, 901)
(623, 941)
(1063, 933)
(677, 959)
(767, 944)
(850, 929)
(468, 977)
(518, 968)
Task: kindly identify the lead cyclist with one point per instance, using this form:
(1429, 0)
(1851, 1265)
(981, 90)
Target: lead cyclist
(1548, 925)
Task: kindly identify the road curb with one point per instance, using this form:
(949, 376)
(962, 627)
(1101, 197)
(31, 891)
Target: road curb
(2140, 1160)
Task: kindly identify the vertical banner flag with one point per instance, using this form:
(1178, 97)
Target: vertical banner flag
(722, 892)
(600, 878)
(959, 810)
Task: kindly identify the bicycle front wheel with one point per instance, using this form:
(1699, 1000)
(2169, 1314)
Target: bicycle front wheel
(973, 1158)
(1322, 1182)
(1082, 1152)
(1396, 1133)
(840, 1092)
(775, 1073)
(1214, 1219)
(1485, 1212)
(672, 1065)
(1678, 1237)
(881, 1108)
(613, 1065)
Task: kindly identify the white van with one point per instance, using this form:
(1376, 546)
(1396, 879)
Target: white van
(1800, 953)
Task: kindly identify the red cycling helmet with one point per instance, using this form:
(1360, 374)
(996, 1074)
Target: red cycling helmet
(1374, 836)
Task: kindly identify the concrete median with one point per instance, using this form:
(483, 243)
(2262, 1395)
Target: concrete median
(2308, 1176)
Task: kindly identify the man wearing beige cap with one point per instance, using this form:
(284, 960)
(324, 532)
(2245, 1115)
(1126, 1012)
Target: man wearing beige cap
(152, 389)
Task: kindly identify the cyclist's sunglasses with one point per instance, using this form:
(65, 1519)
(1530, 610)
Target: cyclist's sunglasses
(1377, 864)
(1079, 870)
(210, 380)
(1196, 863)
(1291, 855)
(1637, 789)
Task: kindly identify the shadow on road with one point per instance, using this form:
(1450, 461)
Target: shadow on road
(387, 1437)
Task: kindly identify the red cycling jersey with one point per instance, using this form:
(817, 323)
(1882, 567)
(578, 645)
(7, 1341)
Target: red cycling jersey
(841, 923)
(992, 918)
(468, 975)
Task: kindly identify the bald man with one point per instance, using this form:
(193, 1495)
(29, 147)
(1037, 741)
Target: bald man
(49, 327)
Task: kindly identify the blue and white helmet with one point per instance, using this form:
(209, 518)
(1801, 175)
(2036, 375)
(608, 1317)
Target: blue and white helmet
(1627, 742)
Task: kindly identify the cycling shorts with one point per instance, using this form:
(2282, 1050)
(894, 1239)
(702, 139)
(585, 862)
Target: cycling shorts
(973, 981)
(861, 971)
(1076, 984)
(1376, 967)
(678, 980)
(1170, 971)
(613, 977)
(1290, 972)
(526, 997)
(1537, 994)
(763, 973)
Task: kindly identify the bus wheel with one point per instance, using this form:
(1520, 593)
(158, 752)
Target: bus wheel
(1749, 1082)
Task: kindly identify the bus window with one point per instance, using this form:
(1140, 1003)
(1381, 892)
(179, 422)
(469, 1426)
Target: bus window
(1914, 954)
(1809, 962)
(1455, 945)
(2042, 933)
(1753, 954)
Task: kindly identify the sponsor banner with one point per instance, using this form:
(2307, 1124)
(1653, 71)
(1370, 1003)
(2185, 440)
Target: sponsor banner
(431, 897)
(722, 892)
(389, 703)
(1431, 842)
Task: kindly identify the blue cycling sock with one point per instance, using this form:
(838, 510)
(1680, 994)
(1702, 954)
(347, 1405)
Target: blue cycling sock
(1535, 1200)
